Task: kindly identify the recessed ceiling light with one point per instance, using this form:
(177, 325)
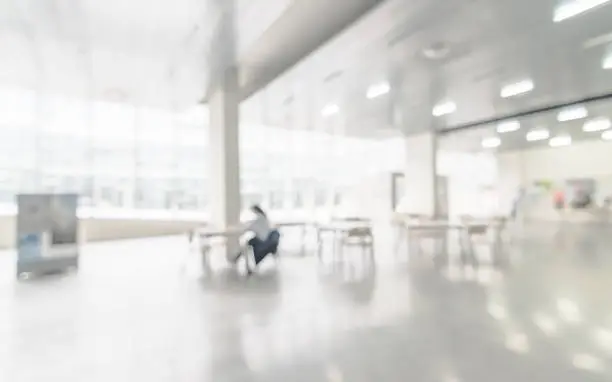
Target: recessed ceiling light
(574, 8)
(508, 126)
(597, 41)
(378, 90)
(444, 108)
(521, 87)
(568, 311)
(562, 140)
(607, 135)
(517, 342)
(538, 135)
(603, 336)
(490, 143)
(546, 323)
(588, 362)
(330, 110)
(498, 312)
(573, 113)
(607, 62)
(597, 124)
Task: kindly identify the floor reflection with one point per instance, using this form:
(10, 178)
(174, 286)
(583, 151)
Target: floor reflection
(135, 311)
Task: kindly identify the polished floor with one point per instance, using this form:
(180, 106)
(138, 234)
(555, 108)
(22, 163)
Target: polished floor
(142, 311)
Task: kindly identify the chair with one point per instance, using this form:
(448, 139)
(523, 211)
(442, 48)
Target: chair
(417, 236)
(476, 233)
(359, 237)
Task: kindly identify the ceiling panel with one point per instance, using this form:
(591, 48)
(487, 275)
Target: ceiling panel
(464, 50)
(154, 52)
(149, 52)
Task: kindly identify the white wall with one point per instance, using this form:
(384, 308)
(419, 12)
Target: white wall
(370, 197)
(517, 169)
(584, 159)
(471, 180)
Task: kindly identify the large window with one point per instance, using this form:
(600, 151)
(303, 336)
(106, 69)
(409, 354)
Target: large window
(292, 171)
(116, 156)
(124, 159)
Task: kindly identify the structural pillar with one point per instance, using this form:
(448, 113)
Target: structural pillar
(420, 179)
(224, 177)
(224, 102)
(421, 160)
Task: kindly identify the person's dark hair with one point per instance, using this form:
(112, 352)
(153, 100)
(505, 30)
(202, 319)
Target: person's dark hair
(255, 208)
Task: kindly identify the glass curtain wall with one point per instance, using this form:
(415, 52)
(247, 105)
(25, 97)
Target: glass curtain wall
(135, 161)
(298, 172)
(118, 157)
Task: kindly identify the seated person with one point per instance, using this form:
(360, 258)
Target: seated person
(265, 239)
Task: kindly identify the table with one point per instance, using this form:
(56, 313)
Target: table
(208, 233)
(303, 224)
(465, 229)
(336, 228)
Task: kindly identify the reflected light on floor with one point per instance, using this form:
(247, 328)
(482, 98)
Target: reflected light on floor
(546, 324)
(587, 362)
(517, 342)
(568, 311)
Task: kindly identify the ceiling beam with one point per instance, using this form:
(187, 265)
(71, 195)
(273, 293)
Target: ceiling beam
(525, 113)
(304, 27)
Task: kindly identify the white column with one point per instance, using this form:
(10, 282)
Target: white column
(224, 155)
(224, 102)
(420, 175)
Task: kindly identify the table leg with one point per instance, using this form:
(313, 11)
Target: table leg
(464, 240)
(414, 245)
(319, 244)
(303, 240)
(471, 252)
(497, 247)
(398, 238)
(340, 243)
(205, 253)
(334, 246)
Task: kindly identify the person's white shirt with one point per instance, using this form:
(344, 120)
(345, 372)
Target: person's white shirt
(260, 226)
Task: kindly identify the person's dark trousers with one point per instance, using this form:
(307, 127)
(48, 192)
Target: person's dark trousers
(261, 248)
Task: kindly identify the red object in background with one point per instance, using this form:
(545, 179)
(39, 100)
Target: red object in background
(559, 199)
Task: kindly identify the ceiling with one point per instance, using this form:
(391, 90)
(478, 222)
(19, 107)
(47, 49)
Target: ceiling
(301, 29)
(144, 52)
(157, 53)
(160, 53)
(472, 139)
(482, 45)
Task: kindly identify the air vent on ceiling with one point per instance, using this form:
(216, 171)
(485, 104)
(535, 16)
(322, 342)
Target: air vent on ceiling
(288, 101)
(333, 76)
(438, 50)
